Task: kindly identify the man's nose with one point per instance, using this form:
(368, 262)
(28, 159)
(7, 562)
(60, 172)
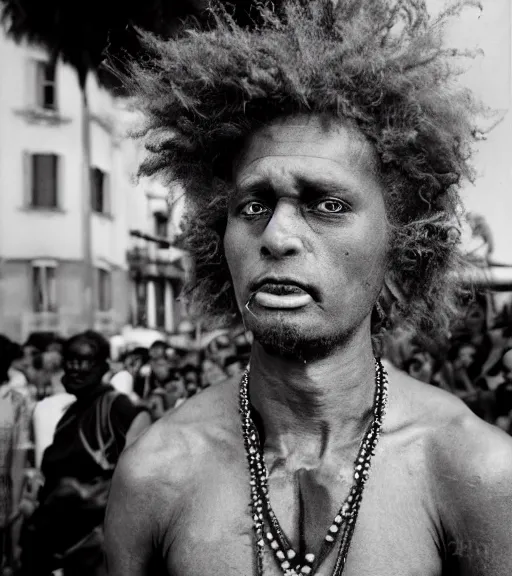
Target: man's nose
(281, 237)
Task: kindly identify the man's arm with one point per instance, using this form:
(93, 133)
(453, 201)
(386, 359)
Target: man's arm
(128, 522)
(21, 445)
(144, 503)
(475, 494)
(140, 423)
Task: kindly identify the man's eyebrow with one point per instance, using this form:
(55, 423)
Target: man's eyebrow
(260, 188)
(312, 187)
(307, 187)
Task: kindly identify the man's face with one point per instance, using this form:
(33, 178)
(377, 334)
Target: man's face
(466, 356)
(133, 363)
(191, 377)
(234, 369)
(475, 319)
(81, 368)
(175, 389)
(162, 369)
(307, 235)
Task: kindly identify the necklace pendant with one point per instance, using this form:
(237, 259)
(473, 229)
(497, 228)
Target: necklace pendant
(291, 573)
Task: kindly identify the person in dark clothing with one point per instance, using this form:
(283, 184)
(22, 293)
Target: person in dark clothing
(79, 463)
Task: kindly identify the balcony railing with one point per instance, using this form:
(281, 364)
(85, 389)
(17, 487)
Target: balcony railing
(67, 323)
(153, 261)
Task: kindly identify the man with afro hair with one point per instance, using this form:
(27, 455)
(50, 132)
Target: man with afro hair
(321, 150)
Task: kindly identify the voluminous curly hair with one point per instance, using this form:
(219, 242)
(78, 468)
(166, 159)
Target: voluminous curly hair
(381, 64)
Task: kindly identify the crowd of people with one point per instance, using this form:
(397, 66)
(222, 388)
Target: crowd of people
(68, 408)
(474, 363)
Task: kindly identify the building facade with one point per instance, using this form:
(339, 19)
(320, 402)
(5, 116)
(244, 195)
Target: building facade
(158, 270)
(44, 210)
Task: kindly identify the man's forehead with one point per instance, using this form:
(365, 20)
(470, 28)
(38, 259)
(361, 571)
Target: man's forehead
(309, 136)
(83, 349)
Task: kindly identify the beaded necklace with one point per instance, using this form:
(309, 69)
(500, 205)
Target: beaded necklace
(266, 526)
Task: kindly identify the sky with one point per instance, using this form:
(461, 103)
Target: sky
(490, 77)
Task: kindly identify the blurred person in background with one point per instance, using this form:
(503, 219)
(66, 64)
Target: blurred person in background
(65, 530)
(52, 365)
(185, 344)
(167, 389)
(51, 407)
(221, 348)
(472, 390)
(22, 373)
(233, 366)
(212, 373)
(17, 378)
(191, 379)
(125, 379)
(159, 350)
(31, 364)
(175, 388)
(504, 395)
(40, 362)
(14, 446)
(488, 344)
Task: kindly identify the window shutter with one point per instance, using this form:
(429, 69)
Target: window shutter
(47, 180)
(108, 298)
(97, 289)
(28, 178)
(37, 291)
(59, 184)
(31, 85)
(92, 192)
(51, 273)
(107, 197)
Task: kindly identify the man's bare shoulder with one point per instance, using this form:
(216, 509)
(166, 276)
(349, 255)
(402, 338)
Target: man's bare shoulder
(471, 457)
(166, 469)
(419, 404)
(175, 447)
(470, 461)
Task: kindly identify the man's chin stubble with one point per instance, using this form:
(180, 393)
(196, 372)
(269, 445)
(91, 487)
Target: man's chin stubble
(291, 343)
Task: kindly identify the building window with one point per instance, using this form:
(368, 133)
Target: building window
(104, 290)
(99, 191)
(44, 287)
(45, 82)
(161, 224)
(44, 180)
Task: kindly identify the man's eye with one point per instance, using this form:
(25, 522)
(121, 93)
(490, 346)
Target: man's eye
(331, 206)
(253, 209)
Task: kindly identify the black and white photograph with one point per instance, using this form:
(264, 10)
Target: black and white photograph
(256, 288)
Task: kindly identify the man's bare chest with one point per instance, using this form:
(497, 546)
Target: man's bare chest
(394, 533)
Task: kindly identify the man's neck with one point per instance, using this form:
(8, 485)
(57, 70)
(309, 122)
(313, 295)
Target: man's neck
(309, 410)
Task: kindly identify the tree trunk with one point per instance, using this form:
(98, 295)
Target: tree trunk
(88, 270)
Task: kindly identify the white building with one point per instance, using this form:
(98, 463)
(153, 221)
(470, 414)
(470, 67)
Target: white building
(42, 223)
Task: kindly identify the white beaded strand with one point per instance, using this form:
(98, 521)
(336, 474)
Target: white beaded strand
(344, 521)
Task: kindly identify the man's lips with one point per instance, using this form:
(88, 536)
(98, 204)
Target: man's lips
(281, 294)
(281, 289)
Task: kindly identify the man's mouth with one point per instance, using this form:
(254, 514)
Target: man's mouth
(281, 295)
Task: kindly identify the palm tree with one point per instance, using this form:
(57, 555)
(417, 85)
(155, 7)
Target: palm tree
(79, 33)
